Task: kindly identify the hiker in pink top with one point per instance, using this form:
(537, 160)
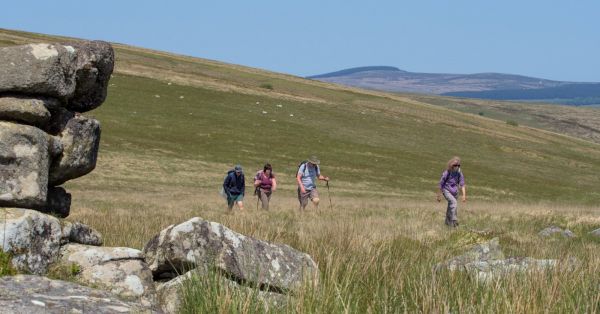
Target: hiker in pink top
(265, 184)
(452, 179)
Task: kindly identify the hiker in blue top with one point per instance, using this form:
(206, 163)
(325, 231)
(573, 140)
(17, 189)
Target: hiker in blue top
(235, 186)
(307, 176)
(452, 179)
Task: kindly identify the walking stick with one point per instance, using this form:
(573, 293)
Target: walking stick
(257, 193)
(329, 195)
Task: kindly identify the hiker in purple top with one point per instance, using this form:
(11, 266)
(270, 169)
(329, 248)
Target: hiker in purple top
(264, 185)
(452, 179)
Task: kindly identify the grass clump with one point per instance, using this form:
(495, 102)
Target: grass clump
(266, 86)
(512, 122)
(6, 268)
(64, 271)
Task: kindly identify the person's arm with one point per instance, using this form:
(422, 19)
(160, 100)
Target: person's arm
(324, 178)
(299, 175)
(463, 188)
(300, 185)
(257, 180)
(226, 185)
(273, 184)
(441, 186)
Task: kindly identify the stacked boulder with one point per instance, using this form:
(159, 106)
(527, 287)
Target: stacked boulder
(44, 141)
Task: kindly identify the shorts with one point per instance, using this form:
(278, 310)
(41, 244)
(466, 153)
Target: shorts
(310, 194)
(231, 200)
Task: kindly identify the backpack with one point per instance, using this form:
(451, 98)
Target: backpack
(304, 162)
(222, 192)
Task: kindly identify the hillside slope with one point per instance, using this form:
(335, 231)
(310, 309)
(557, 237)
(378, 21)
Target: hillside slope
(496, 86)
(172, 121)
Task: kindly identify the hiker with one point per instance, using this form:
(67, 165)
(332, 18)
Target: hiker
(452, 179)
(264, 185)
(235, 186)
(307, 175)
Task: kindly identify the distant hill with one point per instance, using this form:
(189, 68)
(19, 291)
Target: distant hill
(480, 85)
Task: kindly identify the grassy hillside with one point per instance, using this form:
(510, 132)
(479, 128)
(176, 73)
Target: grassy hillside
(173, 125)
(369, 143)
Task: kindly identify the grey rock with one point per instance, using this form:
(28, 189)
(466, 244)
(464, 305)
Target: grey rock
(76, 73)
(24, 167)
(486, 262)
(80, 140)
(479, 252)
(171, 293)
(58, 202)
(119, 270)
(486, 271)
(55, 146)
(32, 111)
(95, 61)
(38, 69)
(552, 230)
(596, 232)
(197, 242)
(35, 294)
(32, 238)
(78, 232)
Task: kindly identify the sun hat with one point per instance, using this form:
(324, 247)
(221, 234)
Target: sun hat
(314, 160)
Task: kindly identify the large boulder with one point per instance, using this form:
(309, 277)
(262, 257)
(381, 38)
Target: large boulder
(35, 294)
(39, 69)
(24, 166)
(32, 238)
(200, 243)
(80, 140)
(76, 73)
(32, 111)
(95, 61)
(119, 270)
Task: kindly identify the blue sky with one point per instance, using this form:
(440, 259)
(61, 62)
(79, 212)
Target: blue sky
(550, 39)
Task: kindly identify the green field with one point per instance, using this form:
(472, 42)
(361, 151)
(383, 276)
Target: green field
(172, 126)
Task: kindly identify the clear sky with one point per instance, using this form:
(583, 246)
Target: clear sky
(550, 39)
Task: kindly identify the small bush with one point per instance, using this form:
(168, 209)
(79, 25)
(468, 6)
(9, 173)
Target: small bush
(511, 122)
(481, 113)
(266, 86)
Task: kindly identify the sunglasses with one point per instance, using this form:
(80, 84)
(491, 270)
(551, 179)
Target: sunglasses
(456, 166)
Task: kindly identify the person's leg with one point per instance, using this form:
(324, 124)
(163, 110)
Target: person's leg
(265, 197)
(451, 217)
(230, 203)
(303, 199)
(238, 199)
(314, 197)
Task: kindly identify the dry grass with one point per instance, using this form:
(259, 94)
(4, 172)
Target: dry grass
(375, 254)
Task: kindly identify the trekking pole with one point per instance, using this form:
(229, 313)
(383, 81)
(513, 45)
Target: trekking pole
(257, 192)
(329, 195)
